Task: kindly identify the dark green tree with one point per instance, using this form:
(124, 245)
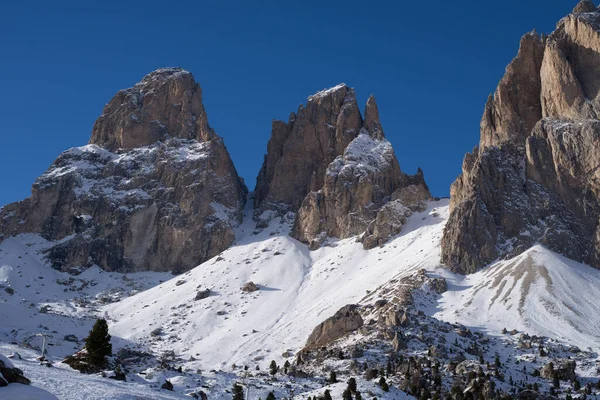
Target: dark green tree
(327, 395)
(383, 384)
(347, 395)
(286, 367)
(352, 385)
(238, 392)
(273, 368)
(271, 396)
(332, 377)
(98, 344)
(358, 396)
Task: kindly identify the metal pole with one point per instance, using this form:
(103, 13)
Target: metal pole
(44, 347)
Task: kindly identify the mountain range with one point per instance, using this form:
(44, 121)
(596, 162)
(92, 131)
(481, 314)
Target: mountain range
(338, 263)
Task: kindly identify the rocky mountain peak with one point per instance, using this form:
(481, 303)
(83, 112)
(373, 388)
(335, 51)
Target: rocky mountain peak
(154, 190)
(166, 103)
(530, 180)
(336, 171)
(585, 6)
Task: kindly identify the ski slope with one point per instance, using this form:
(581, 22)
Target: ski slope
(298, 290)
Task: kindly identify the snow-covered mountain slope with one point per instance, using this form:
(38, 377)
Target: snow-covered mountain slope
(298, 290)
(34, 298)
(539, 291)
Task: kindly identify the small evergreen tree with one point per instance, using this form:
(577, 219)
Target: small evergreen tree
(273, 368)
(347, 395)
(383, 384)
(357, 396)
(286, 366)
(238, 392)
(352, 385)
(332, 377)
(327, 395)
(271, 396)
(98, 344)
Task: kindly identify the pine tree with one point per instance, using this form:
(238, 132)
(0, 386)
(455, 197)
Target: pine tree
(357, 396)
(332, 377)
(286, 366)
(383, 384)
(238, 392)
(347, 395)
(273, 368)
(98, 344)
(271, 396)
(352, 385)
(327, 395)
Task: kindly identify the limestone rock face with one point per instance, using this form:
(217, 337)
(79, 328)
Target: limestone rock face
(138, 198)
(300, 151)
(346, 320)
(533, 177)
(337, 171)
(167, 103)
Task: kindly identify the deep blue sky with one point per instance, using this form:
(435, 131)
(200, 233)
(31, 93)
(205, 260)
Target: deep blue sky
(430, 64)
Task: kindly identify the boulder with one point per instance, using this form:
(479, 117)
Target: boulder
(250, 287)
(345, 321)
(10, 374)
(561, 369)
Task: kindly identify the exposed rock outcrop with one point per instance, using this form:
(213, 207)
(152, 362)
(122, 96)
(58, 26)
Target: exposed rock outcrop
(534, 176)
(338, 172)
(154, 190)
(10, 374)
(346, 320)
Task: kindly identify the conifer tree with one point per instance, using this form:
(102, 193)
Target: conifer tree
(273, 368)
(383, 384)
(347, 395)
(238, 392)
(332, 377)
(98, 344)
(352, 385)
(271, 396)
(327, 395)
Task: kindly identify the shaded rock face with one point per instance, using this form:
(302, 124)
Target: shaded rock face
(135, 200)
(337, 172)
(534, 177)
(9, 374)
(346, 320)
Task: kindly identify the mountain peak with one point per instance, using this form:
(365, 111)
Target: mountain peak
(585, 6)
(166, 103)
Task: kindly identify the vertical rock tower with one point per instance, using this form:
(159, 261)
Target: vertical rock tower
(337, 172)
(535, 176)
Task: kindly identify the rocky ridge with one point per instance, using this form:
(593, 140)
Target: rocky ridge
(534, 177)
(154, 190)
(337, 172)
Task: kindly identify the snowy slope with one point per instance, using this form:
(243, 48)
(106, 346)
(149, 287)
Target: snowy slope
(299, 289)
(34, 298)
(539, 292)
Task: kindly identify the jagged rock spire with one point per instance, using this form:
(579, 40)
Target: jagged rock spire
(372, 123)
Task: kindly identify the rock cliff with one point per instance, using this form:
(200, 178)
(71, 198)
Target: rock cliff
(337, 172)
(534, 177)
(154, 190)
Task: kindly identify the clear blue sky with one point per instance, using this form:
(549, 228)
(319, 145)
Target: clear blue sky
(430, 64)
